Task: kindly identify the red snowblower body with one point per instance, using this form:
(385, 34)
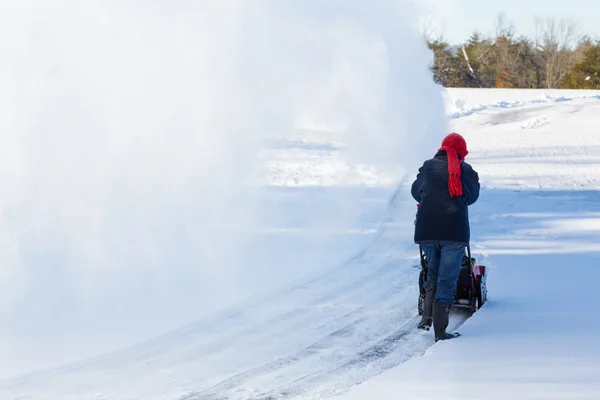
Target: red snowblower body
(471, 289)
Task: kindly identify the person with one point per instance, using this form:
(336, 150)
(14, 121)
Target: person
(444, 188)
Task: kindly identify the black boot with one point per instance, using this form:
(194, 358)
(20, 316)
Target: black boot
(426, 321)
(441, 316)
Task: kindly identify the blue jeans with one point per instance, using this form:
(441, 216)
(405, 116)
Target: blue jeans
(445, 260)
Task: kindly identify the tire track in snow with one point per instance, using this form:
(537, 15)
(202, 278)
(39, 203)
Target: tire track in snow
(396, 346)
(399, 346)
(395, 349)
(344, 298)
(231, 388)
(364, 326)
(339, 292)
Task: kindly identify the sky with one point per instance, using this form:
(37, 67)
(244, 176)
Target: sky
(457, 19)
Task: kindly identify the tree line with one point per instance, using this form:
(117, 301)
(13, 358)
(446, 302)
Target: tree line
(557, 57)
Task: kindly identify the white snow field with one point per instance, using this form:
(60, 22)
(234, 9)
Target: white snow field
(208, 200)
(350, 332)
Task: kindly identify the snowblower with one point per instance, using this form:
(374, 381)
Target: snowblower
(471, 290)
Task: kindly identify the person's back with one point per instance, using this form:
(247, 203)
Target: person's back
(444, 188)
(441, 216)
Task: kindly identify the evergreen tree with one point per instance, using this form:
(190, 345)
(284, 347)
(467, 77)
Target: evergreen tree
(446, 70)
(586, 73)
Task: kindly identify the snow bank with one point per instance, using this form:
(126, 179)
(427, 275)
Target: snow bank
(462, 102)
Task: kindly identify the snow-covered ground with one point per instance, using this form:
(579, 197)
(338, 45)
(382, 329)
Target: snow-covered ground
(349, 329)
(538, 225)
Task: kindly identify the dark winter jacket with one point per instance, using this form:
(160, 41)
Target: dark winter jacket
(441, 217)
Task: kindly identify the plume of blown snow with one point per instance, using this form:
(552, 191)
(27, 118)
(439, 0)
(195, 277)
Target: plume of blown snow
(129, 132)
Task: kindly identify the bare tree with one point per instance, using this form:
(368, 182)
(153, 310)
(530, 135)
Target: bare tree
(429, 29)
(503, 27)
(554, 41)
(507, 55)
(426, 27)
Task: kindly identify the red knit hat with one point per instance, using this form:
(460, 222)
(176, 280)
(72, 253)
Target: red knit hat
(455, 147)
